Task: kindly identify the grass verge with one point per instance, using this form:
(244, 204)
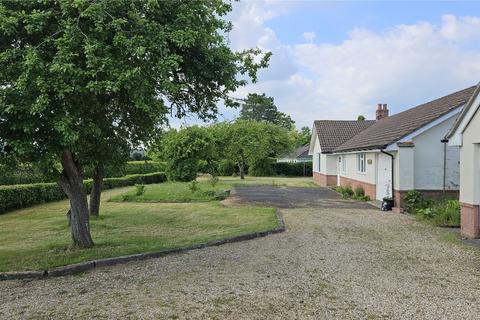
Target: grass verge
(38, 238)
(205, 190)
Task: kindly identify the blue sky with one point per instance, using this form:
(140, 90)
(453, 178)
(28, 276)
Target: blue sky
(337, 60)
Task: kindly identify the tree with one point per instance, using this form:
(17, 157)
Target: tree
(361, 118)
(79, 76)
(248, 142)
(183, 149)
(262, 108)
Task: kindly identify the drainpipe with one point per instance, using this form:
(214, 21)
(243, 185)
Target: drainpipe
(393, 175)
(444, 141)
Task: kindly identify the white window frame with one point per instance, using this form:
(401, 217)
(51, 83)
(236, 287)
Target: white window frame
(344, 165)
(361, 163)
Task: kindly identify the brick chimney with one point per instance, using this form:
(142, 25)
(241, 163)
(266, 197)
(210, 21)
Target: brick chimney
(382, 111)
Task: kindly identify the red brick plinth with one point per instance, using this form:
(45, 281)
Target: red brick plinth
(470, 220)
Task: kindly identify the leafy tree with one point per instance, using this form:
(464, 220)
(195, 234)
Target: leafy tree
(361, 118)
(82, 80)
(262, 108)
(183, 149)
(248, 142)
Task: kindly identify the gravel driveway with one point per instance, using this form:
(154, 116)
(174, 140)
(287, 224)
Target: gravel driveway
(332, 263)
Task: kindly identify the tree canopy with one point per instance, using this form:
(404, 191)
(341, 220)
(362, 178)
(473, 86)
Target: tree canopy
(261, 108)
(81, 81)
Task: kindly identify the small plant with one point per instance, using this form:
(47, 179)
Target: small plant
(139, 189)
(193, 186)
(220, 195)
(415, 200)
(213, 181)
(359, 193)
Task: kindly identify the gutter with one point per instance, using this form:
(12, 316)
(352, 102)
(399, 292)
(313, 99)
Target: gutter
(393, 173)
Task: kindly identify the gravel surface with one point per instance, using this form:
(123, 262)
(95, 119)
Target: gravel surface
(343, 263)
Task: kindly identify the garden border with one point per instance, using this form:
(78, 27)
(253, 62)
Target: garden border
(93, 264)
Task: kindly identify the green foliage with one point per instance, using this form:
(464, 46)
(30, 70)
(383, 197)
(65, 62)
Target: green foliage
(183, 150)
(88, 79)
(415, 200)
(361, 118)
(213, 181)
(345, 191)
(263, 168)
(359, 192)
(301, 137)
(193, 186)
(139, 189)
(298, 169)
(445, 213)
(21, 196)
(248, 143)
(28, 173)
(226, 167)
(261, 108)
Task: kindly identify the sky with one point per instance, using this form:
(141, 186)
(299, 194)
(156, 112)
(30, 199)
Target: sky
(338, 60)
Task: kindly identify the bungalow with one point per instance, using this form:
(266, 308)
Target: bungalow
(465, 133)
(298, 155)
(395, 154)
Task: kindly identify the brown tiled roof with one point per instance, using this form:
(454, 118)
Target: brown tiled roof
(393, 128)
(332, 133)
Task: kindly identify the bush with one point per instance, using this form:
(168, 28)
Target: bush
(346, 192)
(28, 174)
(298, 169)
(226, 168)
(183, 170)
(359, 192)
(445, 213)
(22, 196)
(415, 200)
(263, 168)
(203, 166)
(139, 189)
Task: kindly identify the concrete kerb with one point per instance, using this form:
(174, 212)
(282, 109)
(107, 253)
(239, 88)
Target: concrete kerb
(89, 265)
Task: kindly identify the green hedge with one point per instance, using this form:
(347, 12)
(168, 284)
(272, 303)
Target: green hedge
(27, 174)
(22, 196)
(270, 167)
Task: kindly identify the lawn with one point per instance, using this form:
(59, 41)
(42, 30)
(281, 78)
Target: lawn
(181, 192)
(38, 238)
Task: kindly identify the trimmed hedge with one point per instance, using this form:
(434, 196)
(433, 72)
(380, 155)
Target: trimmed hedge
(22, 196)
(270, 167)
(27, 174)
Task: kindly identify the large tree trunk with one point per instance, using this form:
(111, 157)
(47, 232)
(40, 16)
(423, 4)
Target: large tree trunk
(71, 181)
(96, 192)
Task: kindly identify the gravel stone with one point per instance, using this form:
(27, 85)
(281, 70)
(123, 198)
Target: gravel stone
(331, 263)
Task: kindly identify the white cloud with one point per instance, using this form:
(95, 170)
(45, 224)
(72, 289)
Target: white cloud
(309, 36)
(402, 66)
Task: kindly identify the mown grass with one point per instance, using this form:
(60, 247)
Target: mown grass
(38, 238)
(206, 191)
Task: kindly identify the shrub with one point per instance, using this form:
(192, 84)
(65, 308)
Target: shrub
(359, 192)
(415, 200)
(263, 168)
(298, 169)
(226, 168)
(445, 213)
(213, 181)
(22, 196)
(346, 192)
(203, 166)
(193, 186)
(182, 170)
(139, 189)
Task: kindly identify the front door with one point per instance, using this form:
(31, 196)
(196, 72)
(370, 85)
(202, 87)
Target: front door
(384, 176)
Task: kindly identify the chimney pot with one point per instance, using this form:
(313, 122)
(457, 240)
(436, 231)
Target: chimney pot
(382, 111)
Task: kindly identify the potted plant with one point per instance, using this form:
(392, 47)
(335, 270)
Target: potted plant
(387, 204)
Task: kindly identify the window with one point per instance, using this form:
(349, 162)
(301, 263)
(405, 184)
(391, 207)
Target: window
(361, 167)
(319, 162)
(344, 165)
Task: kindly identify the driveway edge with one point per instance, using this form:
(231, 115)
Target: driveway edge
(93, 264)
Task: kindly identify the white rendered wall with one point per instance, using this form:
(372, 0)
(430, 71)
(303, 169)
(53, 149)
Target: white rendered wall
(428, 158)
(470, 163)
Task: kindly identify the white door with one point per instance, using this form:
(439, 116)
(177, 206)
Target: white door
(384, 176)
